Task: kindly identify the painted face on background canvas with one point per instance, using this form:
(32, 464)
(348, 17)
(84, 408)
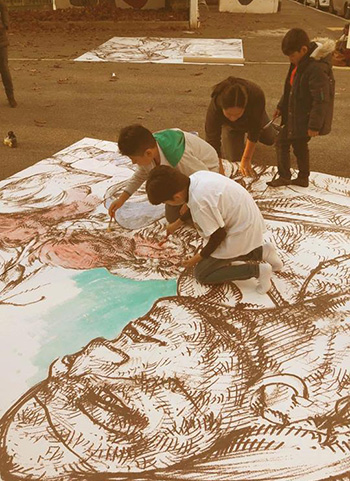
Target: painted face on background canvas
(155, 396)
(233, 113)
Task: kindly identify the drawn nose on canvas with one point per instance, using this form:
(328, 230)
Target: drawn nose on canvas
(100, 357)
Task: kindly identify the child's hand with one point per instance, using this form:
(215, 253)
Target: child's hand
(184, 209)
(193, 261)
(173, 226)
(114, 207)
(276, 114)
(312, 133)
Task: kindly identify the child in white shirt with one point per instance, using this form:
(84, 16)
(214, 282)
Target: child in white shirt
(225, 215)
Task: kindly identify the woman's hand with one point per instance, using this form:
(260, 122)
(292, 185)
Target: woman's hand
(245, 167)
(221, 167)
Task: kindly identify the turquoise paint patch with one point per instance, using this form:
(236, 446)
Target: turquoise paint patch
(104, 306)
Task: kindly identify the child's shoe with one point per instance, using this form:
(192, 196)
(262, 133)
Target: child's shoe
(279, 182)
(301, 181)
(270, 255)
(264, 279)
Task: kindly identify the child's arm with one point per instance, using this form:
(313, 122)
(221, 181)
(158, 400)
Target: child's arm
(214, 241)
(319, 87)
(174, 226)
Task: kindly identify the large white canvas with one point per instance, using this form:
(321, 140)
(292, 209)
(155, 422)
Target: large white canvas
(164, 50)
(209, 382)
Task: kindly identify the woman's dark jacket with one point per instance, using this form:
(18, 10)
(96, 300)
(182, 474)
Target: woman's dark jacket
(308, 104)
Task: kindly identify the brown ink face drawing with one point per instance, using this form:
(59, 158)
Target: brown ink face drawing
(210, 384)
(147, 400)
(190, 383)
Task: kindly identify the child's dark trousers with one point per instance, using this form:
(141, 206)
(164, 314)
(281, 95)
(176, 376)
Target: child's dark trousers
(301, 152)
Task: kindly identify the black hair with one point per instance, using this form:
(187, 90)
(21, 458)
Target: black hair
(164, 182)
(294, 40)
(135, 140)
(230, 93)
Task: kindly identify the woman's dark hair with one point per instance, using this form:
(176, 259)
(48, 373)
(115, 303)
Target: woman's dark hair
(135, 140)
(294, 40)
(230, 93)
(164, 182)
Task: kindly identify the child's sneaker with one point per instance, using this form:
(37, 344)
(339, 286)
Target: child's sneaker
(270, 255)
(301, 181)
(279, 182)
(264, 279)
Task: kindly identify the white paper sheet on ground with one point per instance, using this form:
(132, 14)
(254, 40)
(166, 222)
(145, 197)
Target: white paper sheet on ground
(135, 215)
(253, 386)
(164, 50)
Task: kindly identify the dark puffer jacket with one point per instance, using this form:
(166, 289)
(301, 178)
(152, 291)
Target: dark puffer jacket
(309, 103)
(4, 23)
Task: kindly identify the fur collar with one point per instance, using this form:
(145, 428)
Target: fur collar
(325, 46)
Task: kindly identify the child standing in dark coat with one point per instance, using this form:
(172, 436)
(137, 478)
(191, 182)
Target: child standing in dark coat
(306, 105)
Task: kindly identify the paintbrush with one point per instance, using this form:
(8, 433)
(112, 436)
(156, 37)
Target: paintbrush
(109, 228)
(163, 241)
(271, 122)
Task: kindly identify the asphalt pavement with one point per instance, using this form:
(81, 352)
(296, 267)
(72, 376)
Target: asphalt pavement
(61, 101)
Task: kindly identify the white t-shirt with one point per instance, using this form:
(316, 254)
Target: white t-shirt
(216, 201)
(198, 155)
